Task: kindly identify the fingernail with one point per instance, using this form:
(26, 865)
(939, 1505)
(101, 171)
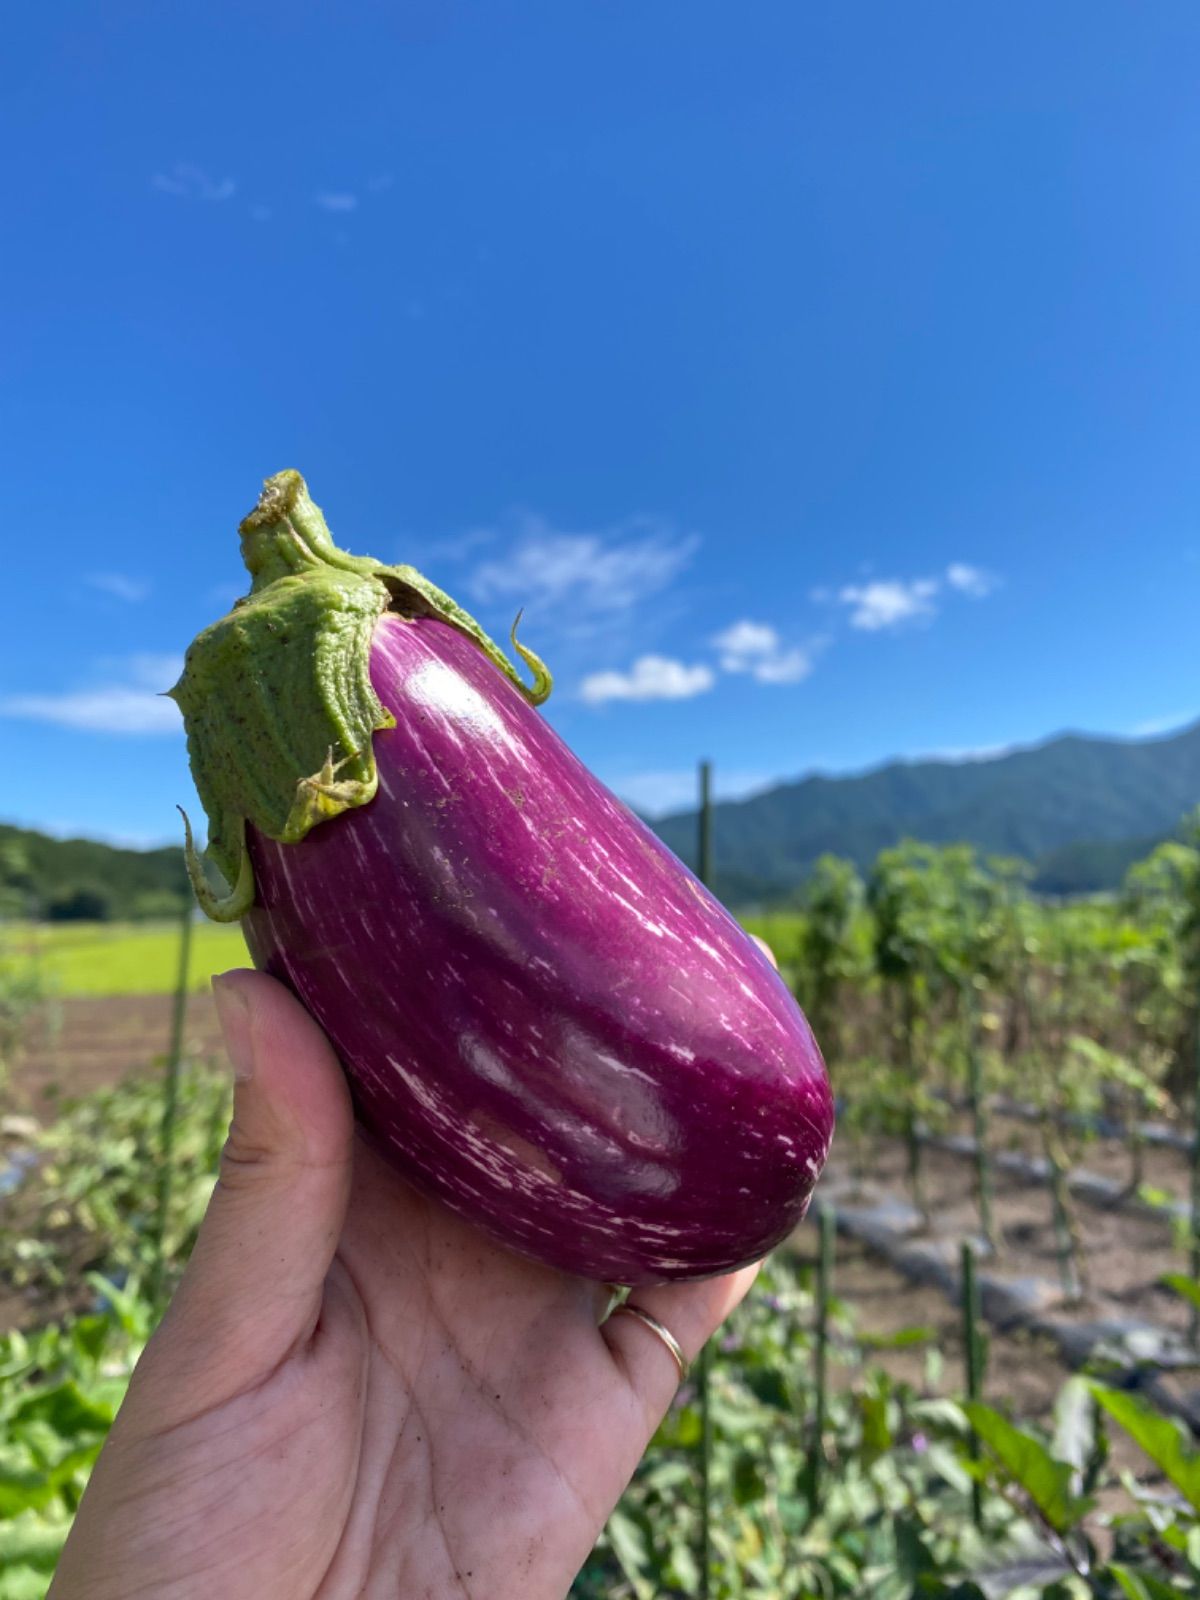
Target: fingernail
(233, 1013)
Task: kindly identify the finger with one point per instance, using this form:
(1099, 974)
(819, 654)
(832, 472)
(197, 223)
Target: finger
(253, 1286)
(766, 950)
(692, 1312)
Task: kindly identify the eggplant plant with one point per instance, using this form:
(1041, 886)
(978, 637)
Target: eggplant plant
(833, 955)
(1162, 894)
(939, 927)
(902, 959)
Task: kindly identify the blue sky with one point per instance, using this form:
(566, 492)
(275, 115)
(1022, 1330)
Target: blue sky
(824, 381)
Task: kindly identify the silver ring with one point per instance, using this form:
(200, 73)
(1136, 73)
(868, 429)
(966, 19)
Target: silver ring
(656, 1328)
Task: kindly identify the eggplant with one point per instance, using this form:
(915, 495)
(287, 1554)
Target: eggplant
(548, 1023)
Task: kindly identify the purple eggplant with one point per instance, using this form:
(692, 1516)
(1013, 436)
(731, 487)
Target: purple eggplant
(548, 1023)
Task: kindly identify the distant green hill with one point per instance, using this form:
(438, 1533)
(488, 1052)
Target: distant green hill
(1080, 808)
(82, 879)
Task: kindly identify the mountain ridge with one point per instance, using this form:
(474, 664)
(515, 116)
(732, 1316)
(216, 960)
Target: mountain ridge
(1067, 792)
(1080, 807)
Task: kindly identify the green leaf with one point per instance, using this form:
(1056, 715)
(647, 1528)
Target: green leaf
(876, 1431)
(903, 1339)
(1075, 1424)
(665, 1477)
(74, 1461)
(1187, 1288)
(66, 1409)
(23, 1489)
(684, 1570)
(132, 1312)
(23, 1583)
(1027, 1463)
(769, 1386)
(632, 1550)
(1141, 1585)
(32, 1542)
(89, 1334)
(749, 1484)
(679, 1430)
(950, 1467)
(1158, 1436)
(913, 1556)
(942, 1416)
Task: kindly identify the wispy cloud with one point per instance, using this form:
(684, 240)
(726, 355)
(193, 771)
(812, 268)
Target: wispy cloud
(973, 581)
(120, 585)
(756, 648)
(650, 678)
(455, 546)
(655, 794)
(259, 213)
(336, 201)
(190, 182)
(132, 703)
(380, 182)
(888, 603)
(587, 577)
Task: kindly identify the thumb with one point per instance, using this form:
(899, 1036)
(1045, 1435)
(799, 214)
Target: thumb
(252, 1289)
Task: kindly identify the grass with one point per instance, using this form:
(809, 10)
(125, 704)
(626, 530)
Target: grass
(781, 930)
(106, 958)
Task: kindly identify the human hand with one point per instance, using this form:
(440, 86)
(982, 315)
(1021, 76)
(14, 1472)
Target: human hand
(354, 1392)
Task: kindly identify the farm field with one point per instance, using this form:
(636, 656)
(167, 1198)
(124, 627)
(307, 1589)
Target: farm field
(117, 958)
(995, 1060)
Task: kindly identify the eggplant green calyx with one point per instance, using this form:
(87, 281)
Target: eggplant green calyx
(277, 697)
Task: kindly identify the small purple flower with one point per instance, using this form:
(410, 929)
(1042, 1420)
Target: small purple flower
(774, 1303)
(920, 1443)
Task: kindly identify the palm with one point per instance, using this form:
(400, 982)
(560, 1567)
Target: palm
(357, 1394)
(496, 1429)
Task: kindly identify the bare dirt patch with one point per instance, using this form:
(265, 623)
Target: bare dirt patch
(74, 1046)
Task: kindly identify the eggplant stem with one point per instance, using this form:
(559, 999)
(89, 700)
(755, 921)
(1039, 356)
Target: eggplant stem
(218, 908)
(539, 690)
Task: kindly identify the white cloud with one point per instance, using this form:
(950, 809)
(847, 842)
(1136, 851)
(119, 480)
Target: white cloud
(889, 602)
(583, 576)
(133, 705)
(120, 585)
(655, 794)
(973, 581)
(336, 201)
(380, 182)
(789, 666)
(756, 648)
(880, 603)
(650, 678)
(190, 182)
(743, 643)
